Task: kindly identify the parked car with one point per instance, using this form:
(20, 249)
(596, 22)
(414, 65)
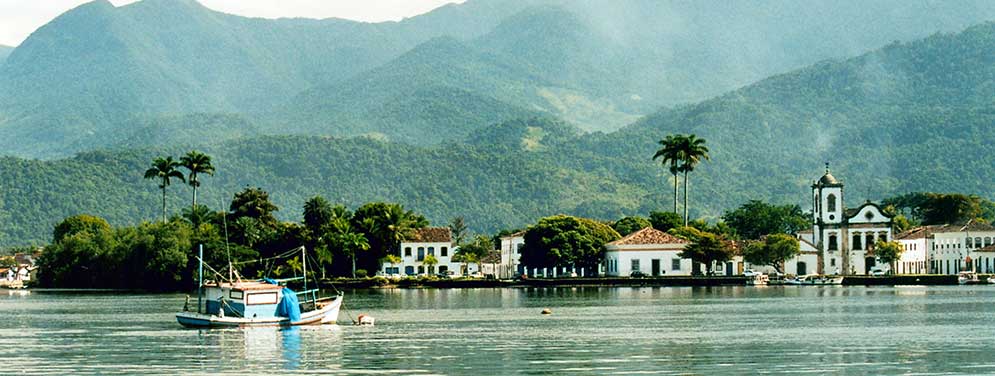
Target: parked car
(443, 275)
(476, 275)
(637, 274)
(878, 272)
(751, 273)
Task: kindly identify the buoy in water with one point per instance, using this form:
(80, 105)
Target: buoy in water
(547, 311)
(364, 320)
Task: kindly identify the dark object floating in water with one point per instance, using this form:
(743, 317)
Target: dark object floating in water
(547, 311)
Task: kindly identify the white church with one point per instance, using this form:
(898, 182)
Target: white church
(843, 238)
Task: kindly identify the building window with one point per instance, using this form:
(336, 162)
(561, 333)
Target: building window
(407, 251)
(421, 254)
(431, 251)
(409, 270)
(977, 241)
(831, 203)
(443, 268)
(988, 241)
(856, 242)
(832, 243)
(675, 264)
(832, 262)
(870, 241)
(969, 242)
(444, 252)
(882, 237)
(421, 269)
(519, 248)
(635, 265)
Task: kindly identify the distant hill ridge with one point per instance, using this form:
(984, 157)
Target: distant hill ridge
(97, 71)
(913, 116)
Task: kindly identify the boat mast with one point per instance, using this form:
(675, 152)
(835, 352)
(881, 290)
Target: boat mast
(200, 276)
(304, 262)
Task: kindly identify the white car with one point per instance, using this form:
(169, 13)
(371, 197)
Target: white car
(877, 272)
(751, 273)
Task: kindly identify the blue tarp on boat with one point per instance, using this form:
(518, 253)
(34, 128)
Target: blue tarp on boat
(289, 306)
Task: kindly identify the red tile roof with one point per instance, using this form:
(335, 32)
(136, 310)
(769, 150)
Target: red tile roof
(431, 235)
(648, 235)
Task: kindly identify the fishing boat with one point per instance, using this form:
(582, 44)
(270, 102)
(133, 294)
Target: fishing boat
(968, 278)
(813, 279)
(249, 303)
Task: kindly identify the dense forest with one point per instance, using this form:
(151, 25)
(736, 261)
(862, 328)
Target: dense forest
(456, 69)
(908, 117)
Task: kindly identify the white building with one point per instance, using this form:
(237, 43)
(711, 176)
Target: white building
(844, 238)
(434, 241)
(511, 254)
(947, 249)
(649, 251)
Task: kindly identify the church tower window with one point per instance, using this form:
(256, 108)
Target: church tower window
(832, 243)
(831, 203)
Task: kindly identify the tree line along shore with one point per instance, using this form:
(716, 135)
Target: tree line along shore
(87, 252)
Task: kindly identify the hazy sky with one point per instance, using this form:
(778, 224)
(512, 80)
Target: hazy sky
(19, 18)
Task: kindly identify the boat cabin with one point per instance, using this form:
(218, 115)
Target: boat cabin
(243, 299)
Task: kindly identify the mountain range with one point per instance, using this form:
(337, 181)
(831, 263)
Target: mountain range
(499, 112)
(98, 71)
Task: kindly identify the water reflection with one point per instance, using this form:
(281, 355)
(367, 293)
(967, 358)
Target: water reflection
(593, 330)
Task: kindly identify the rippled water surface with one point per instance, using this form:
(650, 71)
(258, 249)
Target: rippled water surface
(727, 330)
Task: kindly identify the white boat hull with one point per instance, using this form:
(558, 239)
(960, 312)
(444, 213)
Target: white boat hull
(327, 314)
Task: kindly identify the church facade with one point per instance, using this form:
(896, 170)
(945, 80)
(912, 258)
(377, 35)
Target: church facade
(844, 237)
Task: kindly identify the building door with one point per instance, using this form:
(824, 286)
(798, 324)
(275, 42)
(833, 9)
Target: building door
(655, 267)
(868, 264)
(802, 268)
(729, 268)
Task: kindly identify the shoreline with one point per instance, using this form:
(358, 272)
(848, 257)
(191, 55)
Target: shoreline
(682, 281)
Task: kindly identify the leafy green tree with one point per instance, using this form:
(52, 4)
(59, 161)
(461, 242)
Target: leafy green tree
(664, 221)
(474, 251)
(774, 250)
(691, 150)
(79, 224)
(949, 208)
(254, 203)
(458, 228)
(561, 240)
(393, 260)
(707, 249)
(349, 242)
(385, 226)
(628, 225)
(430, 262)
(164, 169)
(756, 218)
(670, 158)
(199, 214)
(196, 163)
(888, 252)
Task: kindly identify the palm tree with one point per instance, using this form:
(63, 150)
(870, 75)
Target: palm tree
(197, 163)
(668, 154)
(349, 240)
(691, 151)
(164, 169)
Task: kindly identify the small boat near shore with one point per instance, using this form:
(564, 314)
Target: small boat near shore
(813, 280)
(266, 302)
(969, 278)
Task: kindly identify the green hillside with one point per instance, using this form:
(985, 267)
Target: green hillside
(912, 116)
(909, 117)
(99, 70)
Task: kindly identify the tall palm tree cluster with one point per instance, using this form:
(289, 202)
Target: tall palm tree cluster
(163, 170)
(681, 154)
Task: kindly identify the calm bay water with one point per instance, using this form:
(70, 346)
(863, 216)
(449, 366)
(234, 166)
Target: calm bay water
(726, 330)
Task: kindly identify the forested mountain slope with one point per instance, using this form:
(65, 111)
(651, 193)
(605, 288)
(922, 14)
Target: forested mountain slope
(99, 70)
(908, 117)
